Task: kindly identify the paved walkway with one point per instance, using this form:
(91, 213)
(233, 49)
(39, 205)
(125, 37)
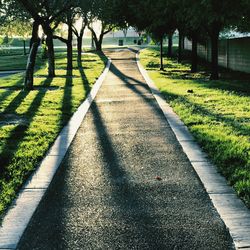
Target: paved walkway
(125, 182)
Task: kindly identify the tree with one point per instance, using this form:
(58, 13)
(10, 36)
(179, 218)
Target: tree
(243, 25)
(82, 15)
(4, 7)
(189, 25)
(46, 14)
(215, 16)
(16, 14)
(108, 13)
(68, 19)
(160, 21)
(20, 27)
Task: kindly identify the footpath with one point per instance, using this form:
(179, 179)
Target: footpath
(125, 182)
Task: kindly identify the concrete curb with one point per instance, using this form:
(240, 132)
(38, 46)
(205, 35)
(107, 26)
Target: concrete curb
(232, 210)
(22, 209)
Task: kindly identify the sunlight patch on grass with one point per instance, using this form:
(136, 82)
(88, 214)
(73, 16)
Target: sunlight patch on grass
(30, 121)
(216, 112)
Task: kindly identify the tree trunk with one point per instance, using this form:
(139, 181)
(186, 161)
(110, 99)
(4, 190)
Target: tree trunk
(98, 46)
(194, 54)
(69, 48)
(51, 55)
(170, 45)
(80, 40)
(79, 48)
(92, 42)
(183, 42)
(34, 43)
(29, 77)
(98, 43)
(24, 47)
(180, 47)
(51, 52)
(34, 36)
(214, 64)
(162, 65)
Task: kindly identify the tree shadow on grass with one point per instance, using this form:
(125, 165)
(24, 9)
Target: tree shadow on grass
(19, 132)
(9, 90)
(67, 107)
(232, 161)
(202, 79)
(132, 84)
(85, 82)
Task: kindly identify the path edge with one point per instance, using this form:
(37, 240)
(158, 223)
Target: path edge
(20, 212)
(231, 209)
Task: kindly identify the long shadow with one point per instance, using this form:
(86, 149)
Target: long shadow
(229, 122)
(16, 102)
(85, 82)
(132, 84)
(220, 118)
(203, 81)
(232, 161)
(124, 196)
(5, 95)
(223, 84)
(67, 107)
(19, 98)
(19, 132)
(9, 91)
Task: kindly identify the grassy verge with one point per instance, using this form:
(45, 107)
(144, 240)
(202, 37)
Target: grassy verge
(30, 121)
(14, 62)
(19, 61)
(216, 112)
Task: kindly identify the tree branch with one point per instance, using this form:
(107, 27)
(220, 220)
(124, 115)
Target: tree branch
(75, 31)
(60, 38)
(64, 9)
(93, 33)
(107, 31)
(31, 9)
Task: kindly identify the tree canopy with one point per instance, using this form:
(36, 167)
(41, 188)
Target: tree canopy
(198, 20)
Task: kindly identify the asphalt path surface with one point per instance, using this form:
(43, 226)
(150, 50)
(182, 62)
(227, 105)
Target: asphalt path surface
(125, 182)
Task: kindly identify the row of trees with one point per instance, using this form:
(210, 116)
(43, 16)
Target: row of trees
(198, 20)
(49, 15)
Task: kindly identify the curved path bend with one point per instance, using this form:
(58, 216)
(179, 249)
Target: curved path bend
(125, 182)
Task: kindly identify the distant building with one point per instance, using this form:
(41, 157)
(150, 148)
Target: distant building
(131, 32)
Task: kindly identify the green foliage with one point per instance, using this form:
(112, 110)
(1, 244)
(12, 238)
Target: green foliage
(44, 51)
(217, 113)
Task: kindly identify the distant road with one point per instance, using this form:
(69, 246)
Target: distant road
(9, 72)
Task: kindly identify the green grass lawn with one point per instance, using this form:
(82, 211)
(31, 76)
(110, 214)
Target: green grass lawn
(14, 62)
(19, 61)
(30, 121)
(217, 113)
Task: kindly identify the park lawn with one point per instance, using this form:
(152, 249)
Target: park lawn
(217, 113)
(30, 121)
(13, 62)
